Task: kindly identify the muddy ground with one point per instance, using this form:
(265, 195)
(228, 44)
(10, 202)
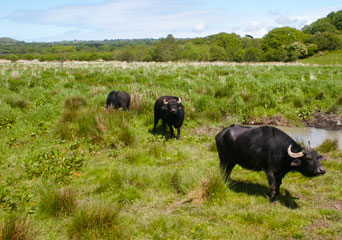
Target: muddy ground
(321, 120)
(327, 121)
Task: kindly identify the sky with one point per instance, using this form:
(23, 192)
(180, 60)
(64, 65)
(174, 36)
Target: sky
(58, 20)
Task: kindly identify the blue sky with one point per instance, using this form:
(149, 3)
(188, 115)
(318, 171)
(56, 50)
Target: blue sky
(56, 20)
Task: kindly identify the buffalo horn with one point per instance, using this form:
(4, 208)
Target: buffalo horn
(179, 100)
(165, 102)
(310, 144)
(294, 155)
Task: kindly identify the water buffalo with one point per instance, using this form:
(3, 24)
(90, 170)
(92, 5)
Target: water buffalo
(266, 148)
(118, 99)
(171, 110)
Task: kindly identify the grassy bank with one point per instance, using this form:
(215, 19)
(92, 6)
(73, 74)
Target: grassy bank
(70, 169)
(324, 58)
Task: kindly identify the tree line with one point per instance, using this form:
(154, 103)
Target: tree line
(279, 44)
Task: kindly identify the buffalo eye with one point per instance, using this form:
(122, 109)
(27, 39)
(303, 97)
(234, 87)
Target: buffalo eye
(296, 163)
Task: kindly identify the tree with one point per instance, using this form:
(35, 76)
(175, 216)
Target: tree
(167, 49)
(320, 26)
(327, 41)
(296, 50)
(283, 36)
(253, 54)
(217, 53)
(336, 19)
(239, 55)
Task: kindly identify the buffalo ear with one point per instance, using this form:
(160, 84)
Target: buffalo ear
(296, 163)
(321, 158)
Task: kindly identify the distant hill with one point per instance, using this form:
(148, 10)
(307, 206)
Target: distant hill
(8, 40)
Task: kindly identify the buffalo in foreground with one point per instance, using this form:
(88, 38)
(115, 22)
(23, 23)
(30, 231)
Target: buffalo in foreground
(171, 110)
(266, 148)
(118, 99)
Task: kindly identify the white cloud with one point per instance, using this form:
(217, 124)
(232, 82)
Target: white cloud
(199, 27)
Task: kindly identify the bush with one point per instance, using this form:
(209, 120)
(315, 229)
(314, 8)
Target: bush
(53, 164)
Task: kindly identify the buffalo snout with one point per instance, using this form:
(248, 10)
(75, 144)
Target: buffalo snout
(320, 171)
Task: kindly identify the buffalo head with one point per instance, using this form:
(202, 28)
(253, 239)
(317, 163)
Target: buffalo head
(307, 161)
(172, 105)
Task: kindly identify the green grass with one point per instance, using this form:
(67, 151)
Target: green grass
(106, 175)
(324, 58)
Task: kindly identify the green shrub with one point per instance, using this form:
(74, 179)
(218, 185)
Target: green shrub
(53, 164)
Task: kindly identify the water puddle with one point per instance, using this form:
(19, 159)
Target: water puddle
(314, 135)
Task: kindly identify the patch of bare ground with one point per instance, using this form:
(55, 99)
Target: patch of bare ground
(207, 130)
(314, 229)
(277, 120)
(328, 121)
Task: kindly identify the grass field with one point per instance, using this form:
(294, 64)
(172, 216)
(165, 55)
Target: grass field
(333, 57)
(70, 169)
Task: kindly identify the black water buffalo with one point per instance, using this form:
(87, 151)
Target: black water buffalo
(266, 148)
(118, 99)
(171, 110)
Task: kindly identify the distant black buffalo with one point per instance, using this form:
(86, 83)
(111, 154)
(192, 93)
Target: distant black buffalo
(118, 99)
(171, 110)
(268, 149)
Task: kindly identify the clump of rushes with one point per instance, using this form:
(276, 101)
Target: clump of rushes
(56, 202)
(97, 220)
(337, 106)
(328, 145)
(176, 182)
(16, 227)
(17, 103)
(74, 103)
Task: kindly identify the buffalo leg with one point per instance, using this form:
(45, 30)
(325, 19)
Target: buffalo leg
(227, 162)
(278, 178)
(178, 133)
(272, 183)
(128, 103)
(171, 131)
(164, 126)
(156, 119)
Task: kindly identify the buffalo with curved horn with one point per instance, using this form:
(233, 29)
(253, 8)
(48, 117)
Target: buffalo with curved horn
(268, 149)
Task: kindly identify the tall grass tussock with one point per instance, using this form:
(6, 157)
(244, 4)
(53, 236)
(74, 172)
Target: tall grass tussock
(97, 220)
(17, 227)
